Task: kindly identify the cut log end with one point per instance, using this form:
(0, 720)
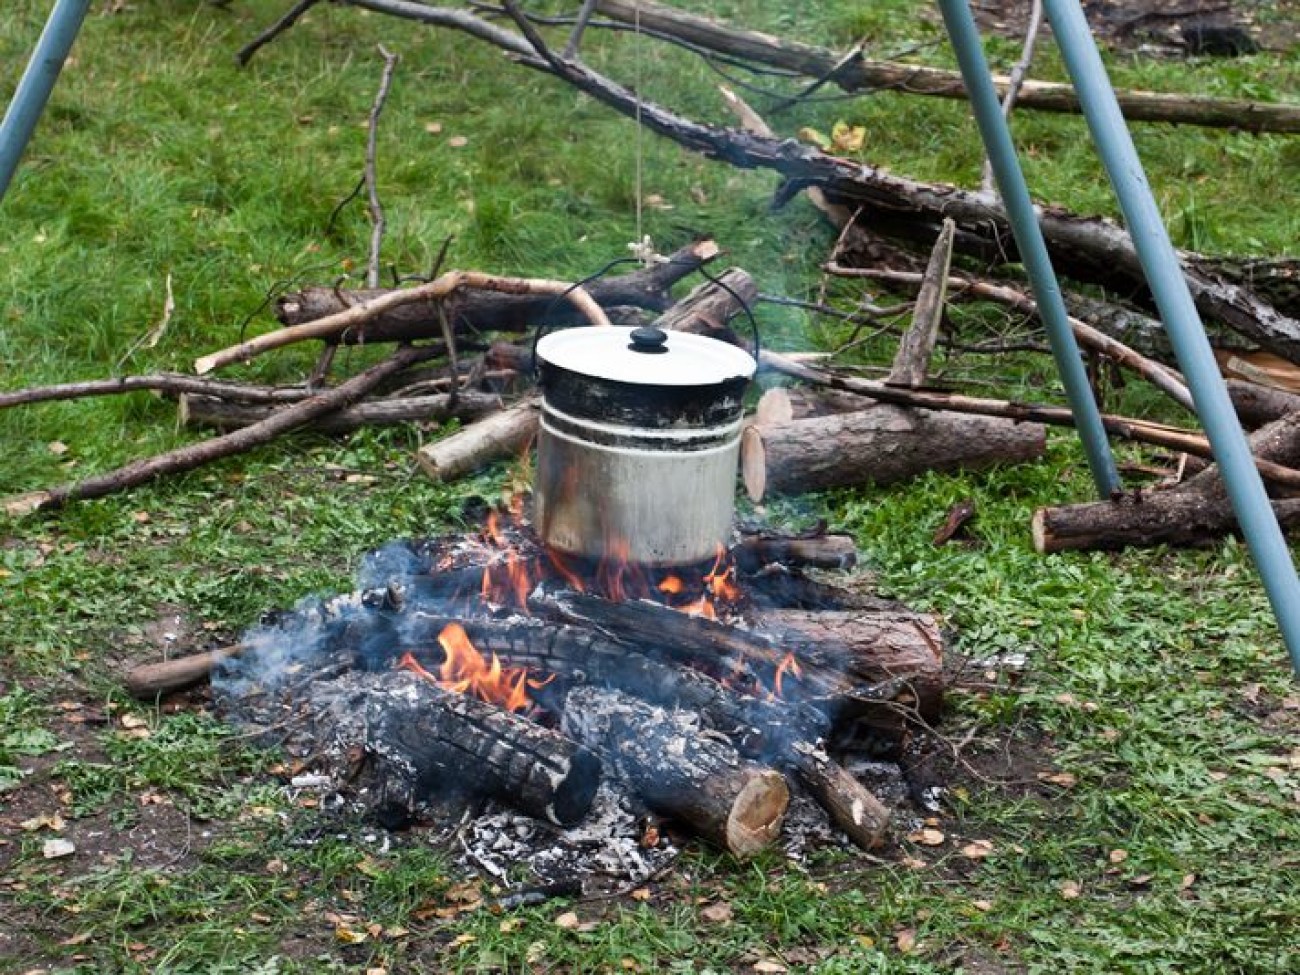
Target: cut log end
(575, 796)
(1038, 528)
(757, 813)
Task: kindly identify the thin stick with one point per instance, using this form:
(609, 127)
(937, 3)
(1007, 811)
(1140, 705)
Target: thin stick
(290, 18)
(1142, 431)
(1016, 80)
(195, 455)
(1160, 376)
(579, 25)
(377, 222)
(912, 360)
(365, 311)
(162, 382)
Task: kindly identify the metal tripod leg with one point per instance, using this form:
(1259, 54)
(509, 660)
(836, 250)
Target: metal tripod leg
(1164, 274)
(1029, 241)
(37, 82)
(1160, 266)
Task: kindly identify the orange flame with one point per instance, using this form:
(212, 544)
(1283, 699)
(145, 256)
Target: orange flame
(671, 586)
(466, 671)
(788, 665)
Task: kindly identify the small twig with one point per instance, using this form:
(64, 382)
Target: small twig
(290, 17)
(377, 222)
(579, 25)
(449, 337)
(1017, 79)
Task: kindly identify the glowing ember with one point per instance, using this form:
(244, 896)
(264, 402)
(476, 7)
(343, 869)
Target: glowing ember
(466, 671)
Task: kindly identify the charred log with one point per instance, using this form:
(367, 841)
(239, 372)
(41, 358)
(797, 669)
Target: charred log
(679, 770)
(435, 740)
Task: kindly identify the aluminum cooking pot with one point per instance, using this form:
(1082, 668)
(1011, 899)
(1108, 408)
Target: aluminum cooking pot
(639, 443)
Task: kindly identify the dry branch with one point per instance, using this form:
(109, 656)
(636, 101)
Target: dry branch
(857, 73)
(912, 360)
(220, 414)
(358, 315)
(474, 311)
(196, 455)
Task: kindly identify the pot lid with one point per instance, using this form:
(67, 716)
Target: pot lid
(645, 356)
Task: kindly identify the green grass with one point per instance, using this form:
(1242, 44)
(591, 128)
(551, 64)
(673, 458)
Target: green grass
(1155, 679)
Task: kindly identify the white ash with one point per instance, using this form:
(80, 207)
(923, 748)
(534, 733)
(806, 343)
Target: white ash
(510, 847)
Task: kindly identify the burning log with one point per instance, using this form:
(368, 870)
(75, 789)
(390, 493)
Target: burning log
(831, 677)
(502, 434)
(881, 445)
(830, 551)
(784, 733)
(871, 647)
(680, 771)
(431, 739)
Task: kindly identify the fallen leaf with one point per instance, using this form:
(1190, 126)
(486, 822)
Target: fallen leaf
(640, 894)
(718, 913)
(457, 141)
(982, 905)
(510, 925)
(57, 447)
(927, 837)
(132, 721)
(767, 965)
(44, 821)
(463, 939)
(1187, 881)
(141, 517)
(905, 940)
(568, 921)
(1070, 889)
(53, 849)
(348, 936)
(848, 138)
(433, 128)
(809, 134)
(977, 849)
(376, 971)
(76, 939)
(1118, 856)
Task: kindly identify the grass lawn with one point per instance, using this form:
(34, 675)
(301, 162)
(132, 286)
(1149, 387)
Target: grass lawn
(1138, 782)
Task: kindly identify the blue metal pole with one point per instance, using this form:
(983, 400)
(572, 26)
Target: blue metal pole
(37, 82)
(1164, 274)
(1029, 240)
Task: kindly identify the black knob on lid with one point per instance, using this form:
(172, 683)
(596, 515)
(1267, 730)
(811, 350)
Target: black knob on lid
(649, 340)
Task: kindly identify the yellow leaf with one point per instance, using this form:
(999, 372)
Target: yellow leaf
(568, 921)
(347, 936)
(811, 135)
(848, 138)
(977, 849)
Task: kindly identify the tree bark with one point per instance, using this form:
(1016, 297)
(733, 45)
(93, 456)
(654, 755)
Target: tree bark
(487, 312)
(502, 434)
(678, 772)
(435, 740)
(1197, 513)
(220, 414)
(856, 73)
(881, 445)
(710, 307)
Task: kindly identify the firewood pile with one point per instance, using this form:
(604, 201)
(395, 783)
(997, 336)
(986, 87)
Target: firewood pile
(482, 672)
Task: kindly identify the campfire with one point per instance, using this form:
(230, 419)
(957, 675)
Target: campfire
(485, 678)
